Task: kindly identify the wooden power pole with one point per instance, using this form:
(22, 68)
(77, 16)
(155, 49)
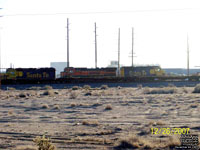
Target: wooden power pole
(119, 53)
(132, 44)
(95, 31)
(67, 43)
(188, 57)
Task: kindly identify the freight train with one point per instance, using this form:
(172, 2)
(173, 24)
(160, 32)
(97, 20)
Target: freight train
(49, 73)
(112, 72)
(88, 72)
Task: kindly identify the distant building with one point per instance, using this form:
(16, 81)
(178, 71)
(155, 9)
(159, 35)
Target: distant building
(114, 64)
(59, 66)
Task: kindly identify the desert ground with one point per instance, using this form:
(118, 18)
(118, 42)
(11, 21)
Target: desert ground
(97, 118)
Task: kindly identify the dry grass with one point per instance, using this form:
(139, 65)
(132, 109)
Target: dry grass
(135, 142)
(157, 123)
(173, 142)
(91, 140)
(28, 147)
(90, 122)
(44, 143)
(166, 90)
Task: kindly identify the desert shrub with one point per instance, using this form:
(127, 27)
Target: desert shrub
(196, 89)
(44, 143)
(90, 123)
(96, 93)
(73, 104)
(56, 107)
(173, 142)
(194, 105)
(75, 88)
(139, 86)
(88, 94)
(34, 88)
(47, 87)
(161, 91)
(185, 90)
(22, 95)
(45, 106)
(11, 88)
(171, 85)
(146, 90)
(10, 112)
(73, 95)
(133, 142)
(86, 87)
(104, 87)
(156, 123)
(108, 107)
(49, 92)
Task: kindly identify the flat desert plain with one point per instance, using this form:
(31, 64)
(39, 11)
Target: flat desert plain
(97, 118)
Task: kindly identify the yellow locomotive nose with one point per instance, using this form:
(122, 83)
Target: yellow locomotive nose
(11, 73)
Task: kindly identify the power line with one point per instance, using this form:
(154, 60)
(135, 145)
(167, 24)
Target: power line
(102, 12)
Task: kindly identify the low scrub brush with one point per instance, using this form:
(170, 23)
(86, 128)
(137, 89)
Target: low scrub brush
(44, 143)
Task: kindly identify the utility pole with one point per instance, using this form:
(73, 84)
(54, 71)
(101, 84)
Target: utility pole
(132, 44)
(95, 31)
(0, 56)
(188, 57)
(67, 42)
(0, 60)
(119, 53)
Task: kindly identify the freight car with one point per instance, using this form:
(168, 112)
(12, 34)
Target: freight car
(30, 74)
(88, 72)
(142, 71)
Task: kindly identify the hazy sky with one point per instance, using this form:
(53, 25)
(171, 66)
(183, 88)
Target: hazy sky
(33, 32)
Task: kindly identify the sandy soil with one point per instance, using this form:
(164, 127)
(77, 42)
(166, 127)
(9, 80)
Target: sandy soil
(96, 119)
